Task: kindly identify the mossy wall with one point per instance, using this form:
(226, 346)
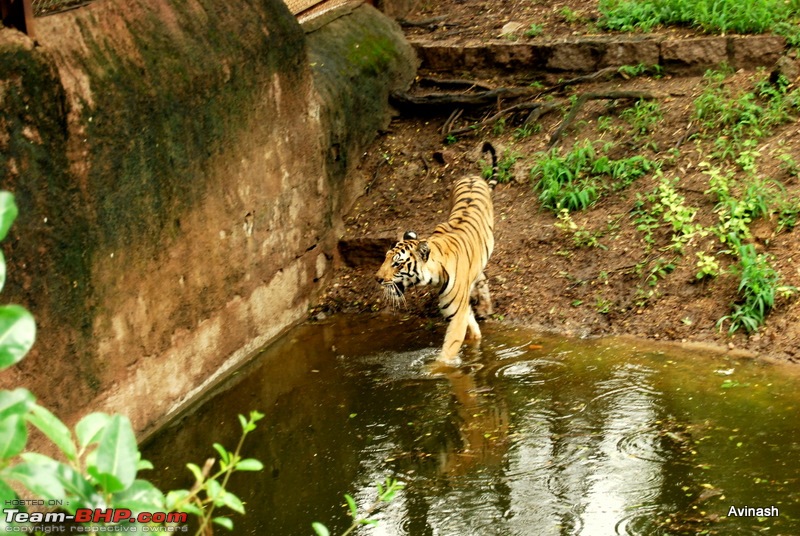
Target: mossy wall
(180, 168)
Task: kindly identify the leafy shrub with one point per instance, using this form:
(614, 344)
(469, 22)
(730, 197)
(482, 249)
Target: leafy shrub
(576, 180)
(102, 459)
(758, 286)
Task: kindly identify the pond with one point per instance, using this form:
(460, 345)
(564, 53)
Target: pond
(533, 435)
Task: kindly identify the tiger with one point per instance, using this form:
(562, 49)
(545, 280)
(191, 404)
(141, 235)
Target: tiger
(453, 259)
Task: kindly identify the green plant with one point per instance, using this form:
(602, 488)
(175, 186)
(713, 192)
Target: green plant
(605, 123)
(534, 30)
(386, 494)
(602, 305)
(748, 156)
(659, 270)
(581, 236)
(788, 211)
(563, 181)
(577, 179)
(568, 15)
(209, 490)
(758, 286)
(499, 126)
(101, 457)
(642, 116)
(526, 130)
(790, 32)
(737, 121)
(789, 164)
(505, 165)
(716, 16)
(707, 266)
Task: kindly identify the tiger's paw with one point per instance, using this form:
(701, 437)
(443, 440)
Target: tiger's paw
(449, 361)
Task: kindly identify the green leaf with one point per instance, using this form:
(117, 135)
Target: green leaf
(249, 464)
(13, 436)
(352, 504)
(54, 429)
(141, 496)
(117, 453)
(108, 482)
(15, 403)
(196, 471)
(320, 529)
(176, 498)
(214, 491)
(2, 270)
(8, 212)
(233, 502)
(223, 522)
(223, 454)
(6, 493)
(40, 479)
(143, 465)
(17, 333)
(89, 428)
(82, 493)
(6, 496)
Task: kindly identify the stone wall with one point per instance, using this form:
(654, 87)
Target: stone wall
(180, 169)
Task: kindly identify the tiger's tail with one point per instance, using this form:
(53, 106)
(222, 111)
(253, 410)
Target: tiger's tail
(489, 148)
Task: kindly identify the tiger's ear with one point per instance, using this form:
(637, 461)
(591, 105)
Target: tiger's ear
(409, 235)
(424, 251)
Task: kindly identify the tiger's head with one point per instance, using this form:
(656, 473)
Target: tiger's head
(403, 267)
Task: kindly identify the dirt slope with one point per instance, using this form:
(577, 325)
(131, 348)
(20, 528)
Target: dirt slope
(619, 266)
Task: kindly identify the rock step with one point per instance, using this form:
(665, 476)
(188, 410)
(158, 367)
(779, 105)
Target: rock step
(589, 54)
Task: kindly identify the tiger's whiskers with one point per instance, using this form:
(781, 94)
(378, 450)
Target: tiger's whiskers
(392, 294)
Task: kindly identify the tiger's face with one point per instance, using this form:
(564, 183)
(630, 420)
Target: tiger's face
(402, 268)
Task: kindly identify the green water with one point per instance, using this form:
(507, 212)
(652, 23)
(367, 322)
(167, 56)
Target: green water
(534, 435)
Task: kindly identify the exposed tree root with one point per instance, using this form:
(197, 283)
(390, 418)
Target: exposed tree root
(455, 103)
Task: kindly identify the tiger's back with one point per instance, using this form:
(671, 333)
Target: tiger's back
(464, 243)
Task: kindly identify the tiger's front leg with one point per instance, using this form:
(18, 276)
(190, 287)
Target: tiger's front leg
(462, 326)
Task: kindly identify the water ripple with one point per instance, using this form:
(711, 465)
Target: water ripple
(644, 444)
(640, 522)
(531, 371)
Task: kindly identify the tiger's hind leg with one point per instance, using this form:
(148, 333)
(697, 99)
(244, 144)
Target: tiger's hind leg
(480, 298)
(473, 332)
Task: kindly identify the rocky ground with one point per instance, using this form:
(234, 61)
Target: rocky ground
(629, 263)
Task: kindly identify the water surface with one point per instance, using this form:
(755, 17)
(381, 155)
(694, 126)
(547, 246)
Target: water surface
(534, 435)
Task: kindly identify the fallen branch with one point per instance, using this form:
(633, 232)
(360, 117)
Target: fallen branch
(581, 100)
(448, 101)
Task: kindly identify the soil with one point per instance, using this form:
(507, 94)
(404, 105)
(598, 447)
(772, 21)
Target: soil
(605, 278)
